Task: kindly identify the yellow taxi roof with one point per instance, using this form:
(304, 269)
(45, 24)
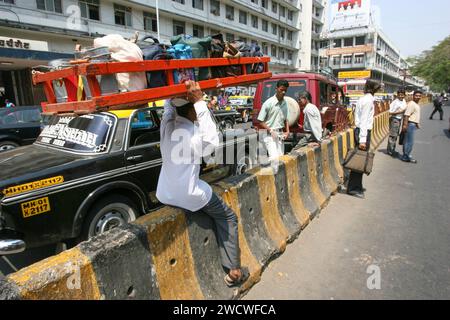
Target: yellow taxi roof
(240, 97)
(121, 114)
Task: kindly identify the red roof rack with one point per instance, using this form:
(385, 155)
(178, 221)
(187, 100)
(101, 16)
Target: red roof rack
(129, 100)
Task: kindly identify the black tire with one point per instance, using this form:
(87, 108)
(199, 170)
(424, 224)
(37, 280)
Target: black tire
(8, 145)
(243, 165)
(108, 213)
(229, 124)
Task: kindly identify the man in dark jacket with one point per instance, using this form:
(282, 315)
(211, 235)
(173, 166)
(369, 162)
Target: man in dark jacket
(438, 102)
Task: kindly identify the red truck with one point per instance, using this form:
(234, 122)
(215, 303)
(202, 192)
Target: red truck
(326, 95)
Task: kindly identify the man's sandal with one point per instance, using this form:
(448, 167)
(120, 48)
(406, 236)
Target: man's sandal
(235, 283)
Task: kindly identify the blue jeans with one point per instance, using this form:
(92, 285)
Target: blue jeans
(409, 141)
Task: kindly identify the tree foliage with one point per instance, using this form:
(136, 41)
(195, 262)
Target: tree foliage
(434, 66)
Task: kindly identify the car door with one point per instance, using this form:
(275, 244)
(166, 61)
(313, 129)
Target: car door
(143, 154)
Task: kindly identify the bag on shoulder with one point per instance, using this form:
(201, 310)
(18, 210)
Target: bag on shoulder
(156, 51)
(359, 161)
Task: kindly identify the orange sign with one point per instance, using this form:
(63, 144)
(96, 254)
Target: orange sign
(364, 74)
(349, 50)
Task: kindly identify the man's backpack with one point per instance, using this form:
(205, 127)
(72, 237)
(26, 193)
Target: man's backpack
(156, 51)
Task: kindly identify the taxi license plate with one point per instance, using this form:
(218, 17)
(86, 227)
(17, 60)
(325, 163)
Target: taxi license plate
(35, 207)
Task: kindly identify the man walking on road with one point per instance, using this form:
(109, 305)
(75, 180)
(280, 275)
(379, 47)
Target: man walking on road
(438, 103)
(189, 133)
(397, 109)
(273, 118)
(364, 117)
(411, 123)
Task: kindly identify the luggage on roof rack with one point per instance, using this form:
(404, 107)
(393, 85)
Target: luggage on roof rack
(98, 101)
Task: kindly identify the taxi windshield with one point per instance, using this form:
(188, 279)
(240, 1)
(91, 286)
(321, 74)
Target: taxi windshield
(88, 134)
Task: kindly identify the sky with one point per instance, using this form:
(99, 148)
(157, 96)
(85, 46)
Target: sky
(413, 25)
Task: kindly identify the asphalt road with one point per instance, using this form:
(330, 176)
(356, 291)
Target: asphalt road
(397, 240)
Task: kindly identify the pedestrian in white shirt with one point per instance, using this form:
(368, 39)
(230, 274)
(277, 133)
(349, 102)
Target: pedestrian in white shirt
(273, 117)
(364, 117)
(189, 133)
(396, 110)
(312, 125)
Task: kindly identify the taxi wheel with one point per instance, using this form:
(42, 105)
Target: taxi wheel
(108, 213)
(7, 145)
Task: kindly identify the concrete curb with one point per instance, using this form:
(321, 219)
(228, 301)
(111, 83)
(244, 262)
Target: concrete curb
(171, 256)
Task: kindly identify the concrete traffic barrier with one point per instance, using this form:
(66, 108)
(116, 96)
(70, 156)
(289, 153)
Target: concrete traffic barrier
(169, 254)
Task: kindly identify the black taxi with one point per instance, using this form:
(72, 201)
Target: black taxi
(88, 174)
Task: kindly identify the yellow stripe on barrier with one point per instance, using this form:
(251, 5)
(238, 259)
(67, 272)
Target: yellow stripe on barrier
(344, 144)
(318, 195)
(295, 199)
(172, 255)
(326, 168)
(269, 206)
(67, 276)
(231, 198)
(337, 162)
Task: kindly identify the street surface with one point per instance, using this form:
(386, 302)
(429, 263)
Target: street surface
(401, 229)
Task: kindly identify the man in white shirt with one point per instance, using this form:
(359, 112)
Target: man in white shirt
(397, 109)
(189, 133)
(364, 117)
(312, 125)
(273, 117)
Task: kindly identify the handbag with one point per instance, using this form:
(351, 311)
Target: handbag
(359, 161)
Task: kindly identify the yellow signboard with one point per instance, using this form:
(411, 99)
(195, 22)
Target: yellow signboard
(33, 186)
(363, 74)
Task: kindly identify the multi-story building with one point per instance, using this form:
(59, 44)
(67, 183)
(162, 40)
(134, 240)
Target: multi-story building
(313, 14)
(32, 32)
(358, 50)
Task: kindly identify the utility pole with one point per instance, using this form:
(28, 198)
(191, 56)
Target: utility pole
(157, 20)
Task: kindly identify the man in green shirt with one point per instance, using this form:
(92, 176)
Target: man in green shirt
(273, 117)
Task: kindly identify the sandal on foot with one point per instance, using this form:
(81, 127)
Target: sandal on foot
(235, 283)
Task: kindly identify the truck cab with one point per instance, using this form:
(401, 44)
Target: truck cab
(326, 95)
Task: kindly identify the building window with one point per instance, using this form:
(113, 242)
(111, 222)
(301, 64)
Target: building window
(229, 37)
(229, 12)
(337, 43)
(90, 9)
(179, 27)
(150, 22)
(243, 39)
(215, 7)
(348, 59)
(265, 48)
(198, 31)
(122, 15)
(282, 54)
(348, 42)
(337, 60)
(290, 55)
(274, 29)
(265, 4)
(255, 22)
(290, 15)
(265, 25)
(282, 33)
(274, 7)
(7, 1)
(360, 41)
(290, 35)
(282, 11)
(242, 17)
(49, 5)
(273, 51)
(359, 58)
(197, 4)
(179, 1)
(255, 1)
